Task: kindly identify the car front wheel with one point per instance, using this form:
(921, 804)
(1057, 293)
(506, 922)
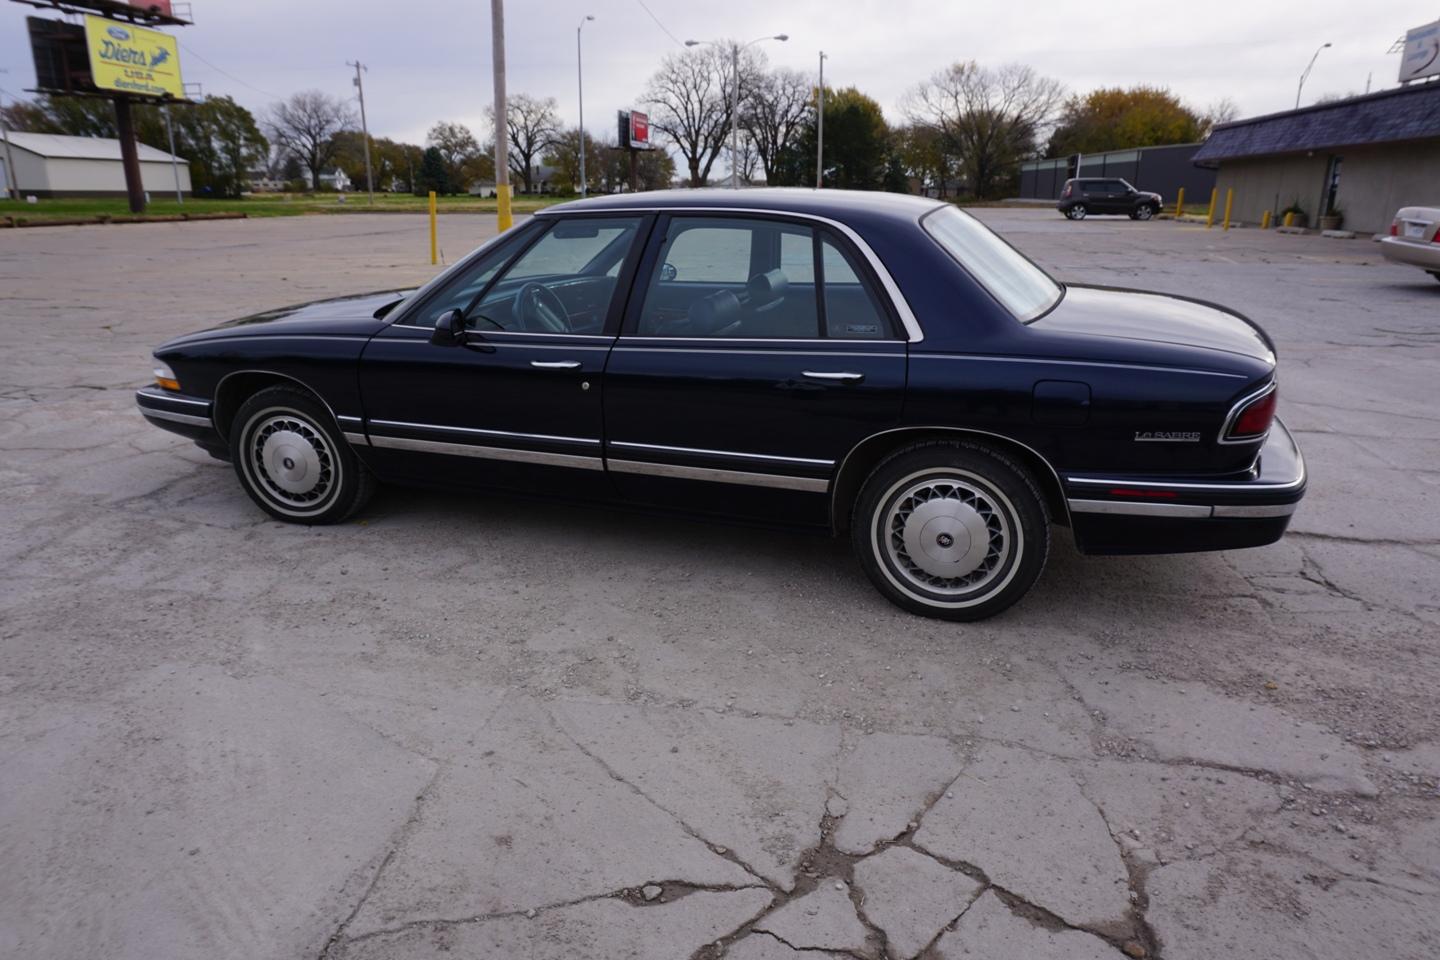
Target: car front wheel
(951, 529)
(1143, 212)
(292, 460)
(1076, 212)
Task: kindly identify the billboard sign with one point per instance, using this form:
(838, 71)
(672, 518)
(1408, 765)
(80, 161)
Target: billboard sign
(125, 58)
(639, 130)
(1421, 57)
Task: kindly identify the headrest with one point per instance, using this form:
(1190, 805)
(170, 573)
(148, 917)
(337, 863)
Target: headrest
(709, 314)
(767, 287)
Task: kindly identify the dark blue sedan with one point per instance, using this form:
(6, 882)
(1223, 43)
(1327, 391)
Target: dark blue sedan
(864, 363)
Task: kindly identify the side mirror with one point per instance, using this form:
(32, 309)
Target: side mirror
(449, 329)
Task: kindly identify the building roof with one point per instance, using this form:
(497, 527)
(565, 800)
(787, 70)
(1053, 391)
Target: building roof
(1390, 116)
(55, 146)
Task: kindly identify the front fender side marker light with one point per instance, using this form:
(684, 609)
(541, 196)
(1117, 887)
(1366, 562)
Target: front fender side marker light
(165, 378)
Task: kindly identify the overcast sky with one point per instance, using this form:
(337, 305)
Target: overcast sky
(429, 60)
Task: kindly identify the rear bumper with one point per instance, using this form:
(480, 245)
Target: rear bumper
(1132, 514)
(1426, 256)
(187, 416)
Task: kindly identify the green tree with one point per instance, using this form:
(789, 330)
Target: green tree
(1114, 118)
(564, 156)
(458, 148)
(222, 143)
(897, 180)
(857, 143)
(434, 173)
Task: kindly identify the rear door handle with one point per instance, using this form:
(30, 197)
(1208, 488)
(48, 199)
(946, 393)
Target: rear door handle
(843, 376)
(556, 364)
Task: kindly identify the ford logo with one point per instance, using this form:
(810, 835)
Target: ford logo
(119, 33)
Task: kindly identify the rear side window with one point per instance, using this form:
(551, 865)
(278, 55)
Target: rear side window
(1022, 287)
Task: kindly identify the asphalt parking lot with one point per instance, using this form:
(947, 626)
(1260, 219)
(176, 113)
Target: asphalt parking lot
(465, 726)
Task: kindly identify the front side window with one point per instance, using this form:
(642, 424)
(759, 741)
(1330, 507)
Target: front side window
(563, 283)
(743, 278)
(1020, 286)
(461, 290)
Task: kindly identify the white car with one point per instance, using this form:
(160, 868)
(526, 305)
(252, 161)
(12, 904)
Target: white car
(1414, 240)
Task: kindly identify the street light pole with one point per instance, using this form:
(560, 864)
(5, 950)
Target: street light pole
(820, 128)
(364, 128)
(735, 98)
(580, 82)
(1304, 76)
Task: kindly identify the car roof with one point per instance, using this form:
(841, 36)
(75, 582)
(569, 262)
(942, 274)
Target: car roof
(839, 205)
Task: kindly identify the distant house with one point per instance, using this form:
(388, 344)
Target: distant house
(51, 165)
(261, 182)
(334, 180)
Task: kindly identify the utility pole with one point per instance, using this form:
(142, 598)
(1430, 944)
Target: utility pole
(580, 78)
(502, 127)
(174, 164)
(820, 128)
(364, 128)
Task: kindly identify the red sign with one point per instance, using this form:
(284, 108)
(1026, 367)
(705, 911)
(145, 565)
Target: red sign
(161, 7)
(639, 130)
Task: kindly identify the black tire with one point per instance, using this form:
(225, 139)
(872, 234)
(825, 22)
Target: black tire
(1077, 211)
(974, 488)
(293, 460)
(1143, 212)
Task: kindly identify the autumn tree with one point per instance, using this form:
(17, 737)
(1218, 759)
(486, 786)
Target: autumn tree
(1115, 118)
(564, 156)
(465, 160)
(305, 126)
(991, 118)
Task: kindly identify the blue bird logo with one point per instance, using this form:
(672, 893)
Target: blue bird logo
(159, 56)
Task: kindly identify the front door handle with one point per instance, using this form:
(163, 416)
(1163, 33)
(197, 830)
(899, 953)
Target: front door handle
(556, 364)
(843, 376)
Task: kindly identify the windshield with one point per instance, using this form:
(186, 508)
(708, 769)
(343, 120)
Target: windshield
(1023, 288)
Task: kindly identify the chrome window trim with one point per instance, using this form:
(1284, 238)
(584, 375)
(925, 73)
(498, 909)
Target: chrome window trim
(741, 477)
(759, 353)
(155, 393)
(805, 461)
(489, 453)
(1075, 363)
(478, 431)
(1234, 413)
(176, 417)
(913, 332)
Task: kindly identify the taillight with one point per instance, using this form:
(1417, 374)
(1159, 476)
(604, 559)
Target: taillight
(1394, 228)
(1254, 419)
(1069, 187)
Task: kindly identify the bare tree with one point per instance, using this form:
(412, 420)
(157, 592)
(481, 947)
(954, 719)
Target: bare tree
(305, 125)
(991, 117)
(1221, 111)
(533, 127)
(690, 97)
(776, 111)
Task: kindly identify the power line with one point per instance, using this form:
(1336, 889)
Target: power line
(191, 53)
(659, 24)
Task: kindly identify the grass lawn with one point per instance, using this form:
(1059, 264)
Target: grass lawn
(262, 205)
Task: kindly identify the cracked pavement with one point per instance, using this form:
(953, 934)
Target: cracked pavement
(467, 726)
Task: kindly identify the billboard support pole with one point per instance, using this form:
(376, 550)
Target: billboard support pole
(129, 156)
(502, 115)
(174, 164)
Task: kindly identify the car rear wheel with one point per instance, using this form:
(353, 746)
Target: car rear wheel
(293, 461)
(1077, 211)
(951, 529)
(1142, 212)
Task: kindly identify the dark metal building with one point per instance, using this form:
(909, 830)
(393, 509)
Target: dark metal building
(1161, 169)
(1364, 157)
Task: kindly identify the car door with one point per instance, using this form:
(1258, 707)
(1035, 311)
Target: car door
(756, 352)
(519, 402)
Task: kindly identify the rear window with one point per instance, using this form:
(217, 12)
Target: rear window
(1023, 288)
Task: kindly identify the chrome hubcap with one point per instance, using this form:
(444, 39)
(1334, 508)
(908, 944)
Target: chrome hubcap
(292, 461)
(947, 535)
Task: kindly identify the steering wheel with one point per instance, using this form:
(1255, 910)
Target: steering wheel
(538, 308)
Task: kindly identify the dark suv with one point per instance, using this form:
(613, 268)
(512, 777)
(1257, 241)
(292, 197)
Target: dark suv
(1087, 195)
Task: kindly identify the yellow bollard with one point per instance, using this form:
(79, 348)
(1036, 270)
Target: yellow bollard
(502, 197)
(1265, 220)
(434, 257)
(1229, 200)
(1180, 203)
(1289, 219)
(1210, 216)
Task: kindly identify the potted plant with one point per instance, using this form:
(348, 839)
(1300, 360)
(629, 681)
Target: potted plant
(1300, 218)
(1333, 219)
